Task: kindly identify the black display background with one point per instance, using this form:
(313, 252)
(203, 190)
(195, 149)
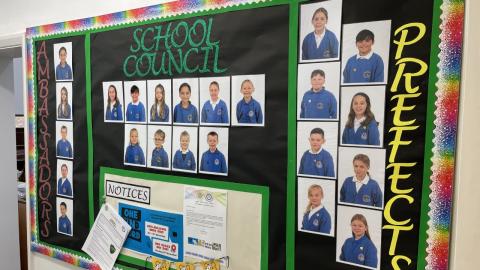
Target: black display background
(80, 224)
(251, 42)
(320, 251)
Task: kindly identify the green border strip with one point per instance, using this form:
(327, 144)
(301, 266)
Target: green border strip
(88, 90)
(292, 134)
(261, 190)
(428, 153)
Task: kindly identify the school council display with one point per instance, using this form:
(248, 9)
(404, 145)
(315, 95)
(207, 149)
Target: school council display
(198, 97)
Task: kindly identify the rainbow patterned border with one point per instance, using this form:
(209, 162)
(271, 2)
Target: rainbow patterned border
(445, 134)
(135, 15)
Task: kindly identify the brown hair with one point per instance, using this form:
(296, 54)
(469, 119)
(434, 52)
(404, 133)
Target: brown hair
(362, 219)
(368, 112)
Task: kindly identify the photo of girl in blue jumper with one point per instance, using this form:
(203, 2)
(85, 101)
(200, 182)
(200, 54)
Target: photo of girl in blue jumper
(359, 249)
(360, 188)
(113, 111)
(321, 43)
(316, 217)
(361, 126)
(159, 111)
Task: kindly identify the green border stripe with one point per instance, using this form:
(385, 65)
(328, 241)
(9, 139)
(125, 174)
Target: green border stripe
(261, 190)
(428, 154)
(292, 134)
(88, 90)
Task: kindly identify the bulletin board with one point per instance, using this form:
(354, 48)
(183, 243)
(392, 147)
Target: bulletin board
(330, 125)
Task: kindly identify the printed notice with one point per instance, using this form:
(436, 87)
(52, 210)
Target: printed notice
(205, 214)
(106, 237)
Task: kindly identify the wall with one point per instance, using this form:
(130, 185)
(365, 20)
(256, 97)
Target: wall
(20, 14)
(466, 233)
(9, 243)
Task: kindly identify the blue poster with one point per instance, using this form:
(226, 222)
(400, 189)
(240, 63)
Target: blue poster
(156, 233)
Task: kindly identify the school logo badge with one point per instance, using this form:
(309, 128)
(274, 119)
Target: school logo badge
(217, 161)
(136, 158)
(112, 249)
(66, 149)
(219, 112)
(364, 136)
(315, 222)
(354, 69)
(64, 190)
(367, 74)
(159, 160)
(320, 105)
(361, 257)
(319, 164)
(137, 116)
(250, 113)
(190, 118)
(64, 225)
(366, 198)
(189, 162)
(114, 114)
(326, 53)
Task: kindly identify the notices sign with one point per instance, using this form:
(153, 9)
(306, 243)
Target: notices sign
(205, 223)
(154, 232)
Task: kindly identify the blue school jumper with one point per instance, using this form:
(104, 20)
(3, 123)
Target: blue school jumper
(134, 155)
(369, 194)
(367, 135)
(213, 162)
(156, 115)
(328, 46)
(67, 114)
(250, 112)
(136, 113)
(320, 164)
(319, 222)
(184, 161)
(64, 225)
(64, 149)
(115, 112)
(219, 115)
(63, 73)
(182, 115)
(363, 70)
(361, 251)
(159, 157)
(321, 104)
(64, 188)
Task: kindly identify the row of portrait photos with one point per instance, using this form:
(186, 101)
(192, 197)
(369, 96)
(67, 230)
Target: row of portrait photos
(214, 101)
(179, 148)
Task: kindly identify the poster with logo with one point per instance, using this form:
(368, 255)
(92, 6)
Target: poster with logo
(205, 222)
(154, 232)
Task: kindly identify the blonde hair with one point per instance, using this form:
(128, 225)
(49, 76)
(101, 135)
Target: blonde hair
(310, 189)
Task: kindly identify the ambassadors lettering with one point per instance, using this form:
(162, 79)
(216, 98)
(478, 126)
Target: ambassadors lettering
(44, 172)
(402, 197)
(173, 48)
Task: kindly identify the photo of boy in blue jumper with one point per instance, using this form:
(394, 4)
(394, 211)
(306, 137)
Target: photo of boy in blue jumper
(317, 161)
(213, 160)
(366, 66)
(318, 102)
